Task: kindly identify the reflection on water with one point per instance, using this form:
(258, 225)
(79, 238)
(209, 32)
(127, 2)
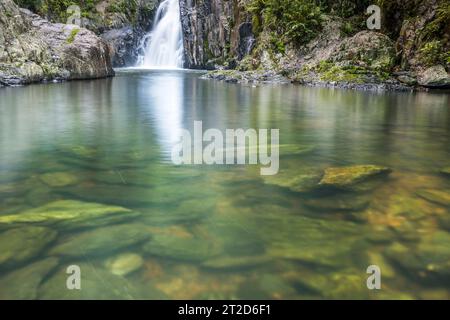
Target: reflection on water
(85, 179)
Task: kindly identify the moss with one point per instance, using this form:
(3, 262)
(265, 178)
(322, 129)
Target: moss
(73, 34)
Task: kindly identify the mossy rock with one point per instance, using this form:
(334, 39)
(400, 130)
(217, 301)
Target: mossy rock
(96, 284)
(23, 284)
(101, 241)
(352, 176)
(71, 214)
(19, 245)
(295, 180)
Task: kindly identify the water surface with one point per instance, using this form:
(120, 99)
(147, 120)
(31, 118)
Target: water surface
(224, 231)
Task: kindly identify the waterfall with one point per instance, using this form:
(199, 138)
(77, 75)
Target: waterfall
(162, 47)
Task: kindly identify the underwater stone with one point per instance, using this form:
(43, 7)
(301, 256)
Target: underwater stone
(444, 221)
(101, 241)
(21, 244)
(267, 286)
(97, 283)
(23, 284)
(193, 249)
(439, 197)
(429, 261)
(71, 214)
(58, 179)
(124, 263)
(295, 181)
(348, 177)
(446, 171)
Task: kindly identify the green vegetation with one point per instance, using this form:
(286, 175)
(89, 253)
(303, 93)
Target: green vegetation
(73, 34)
(295, 21)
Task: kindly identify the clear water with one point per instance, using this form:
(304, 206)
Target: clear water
(223, 231)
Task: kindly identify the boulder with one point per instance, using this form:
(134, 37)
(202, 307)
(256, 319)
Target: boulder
(349, 177)
(32, 49)
(434, 77)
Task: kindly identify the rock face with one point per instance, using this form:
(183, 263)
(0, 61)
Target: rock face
(215, 32)
(33, 49)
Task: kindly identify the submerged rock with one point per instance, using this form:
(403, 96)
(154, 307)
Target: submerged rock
(98, 284)
(267, 286)
(303, 181)
(124, 264)
(101, 241)
(189, 248)
(71, 214)
(429, 261)
(22, 244)
(58, 179)
(350, 177)
(440, 197)
(312, 241)
(23, 284)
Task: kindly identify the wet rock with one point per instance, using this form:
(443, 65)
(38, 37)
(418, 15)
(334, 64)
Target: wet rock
(184, 248)
(440, 197)
(22, 244)
(124, 264)
(58, 179)
(429, 261)
(444, 221)
(22, 284)
(350, 177)
(434, 77)
(236, 263)
(101, 241)
(96, 283)
(70, 214)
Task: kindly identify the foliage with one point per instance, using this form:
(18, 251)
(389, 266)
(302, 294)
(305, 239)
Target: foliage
(295, 21)
(73, 34)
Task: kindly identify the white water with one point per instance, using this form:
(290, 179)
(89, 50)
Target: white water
(163, 46)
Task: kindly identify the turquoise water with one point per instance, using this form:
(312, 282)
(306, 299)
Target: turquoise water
(86, 179)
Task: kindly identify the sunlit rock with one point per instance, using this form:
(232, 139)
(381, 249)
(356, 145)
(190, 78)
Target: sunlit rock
(71, 214)
(350, 177)
(124, 263)
(440, 197)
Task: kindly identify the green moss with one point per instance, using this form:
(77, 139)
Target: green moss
(73, 34)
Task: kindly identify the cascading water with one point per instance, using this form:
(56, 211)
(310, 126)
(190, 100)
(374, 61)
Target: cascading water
(163, 46)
